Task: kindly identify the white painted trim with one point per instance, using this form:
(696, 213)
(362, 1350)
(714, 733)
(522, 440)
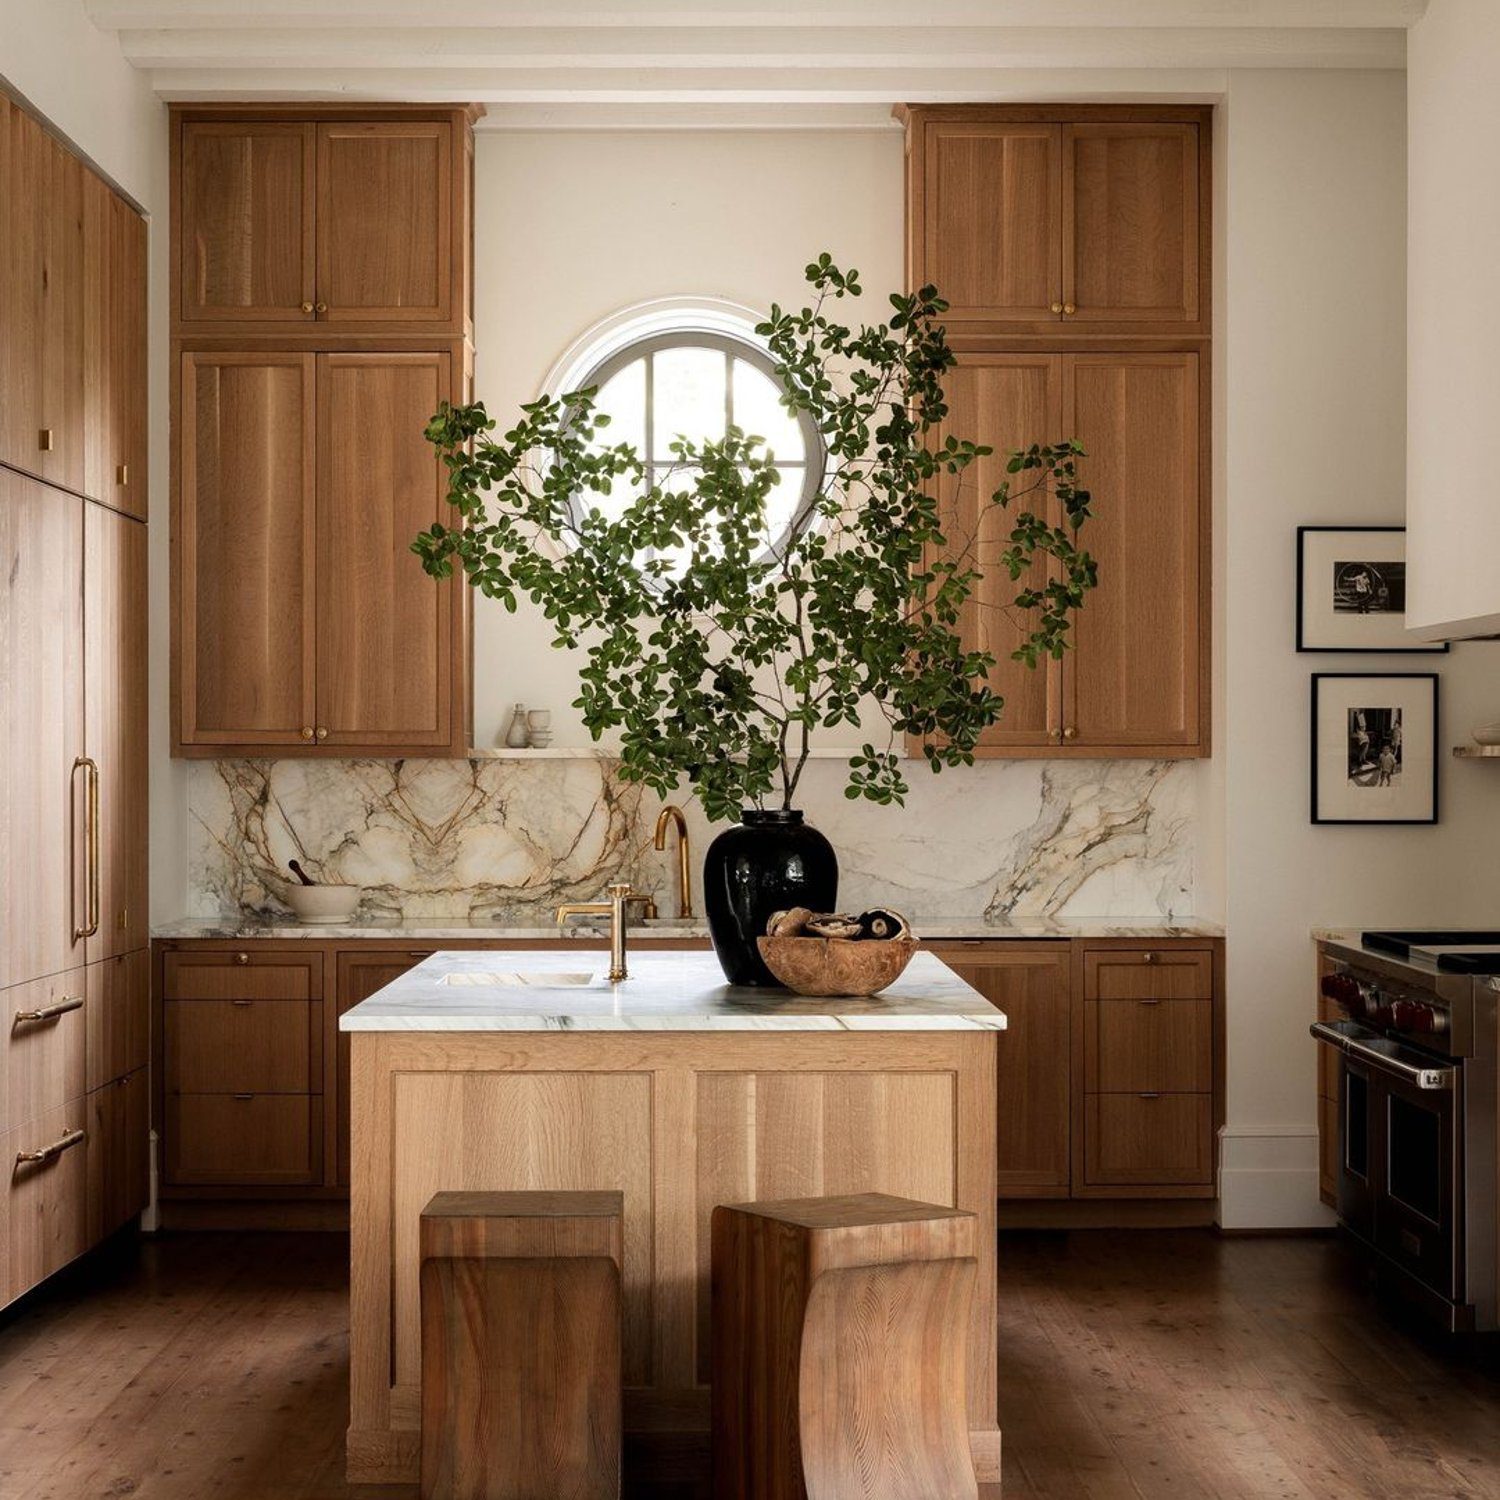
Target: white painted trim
(1268, 1178)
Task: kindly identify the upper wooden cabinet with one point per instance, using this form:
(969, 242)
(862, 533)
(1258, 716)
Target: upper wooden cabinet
(1081, 219)
(304, 622)
(339, 222)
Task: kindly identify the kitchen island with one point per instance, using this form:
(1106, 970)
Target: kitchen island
(486, 1071)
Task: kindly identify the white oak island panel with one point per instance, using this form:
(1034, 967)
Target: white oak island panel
(681, 1094)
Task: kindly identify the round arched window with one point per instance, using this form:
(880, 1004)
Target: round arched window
(660, 382)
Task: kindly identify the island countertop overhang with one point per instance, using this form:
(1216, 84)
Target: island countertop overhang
(545, 990)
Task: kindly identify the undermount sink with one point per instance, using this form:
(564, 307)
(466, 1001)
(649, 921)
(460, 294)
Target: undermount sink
(502, 979)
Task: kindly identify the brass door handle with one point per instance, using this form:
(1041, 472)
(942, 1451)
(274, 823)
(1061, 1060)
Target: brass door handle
(122, 474)
(91, 840)
(321, 307)
(49, 1012)
(65, 1142)
(307, 307)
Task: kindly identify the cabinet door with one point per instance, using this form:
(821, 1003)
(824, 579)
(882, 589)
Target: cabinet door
(42, 802)
(1133, 683)
(119, 1153)
(359, 975)
(42, 415)
(246, 607)
(45, 1202)
(1030, 983)
(43, 1040)
(1130, 223)
(991, 220)
(118, 992)
(1007, 401)
(384, 627)
(127, 478)
(384, 238)
(245, 241)
(115, 724)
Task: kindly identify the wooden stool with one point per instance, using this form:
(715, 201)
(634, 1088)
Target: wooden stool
(521, 1346)
(840, 1332)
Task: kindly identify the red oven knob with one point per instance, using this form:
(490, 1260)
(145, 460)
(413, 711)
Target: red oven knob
(1344, 991)
(1412, 1015)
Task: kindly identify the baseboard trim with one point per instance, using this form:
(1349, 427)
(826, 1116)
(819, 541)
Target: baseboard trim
(1268, 1178)
(1106, 1213)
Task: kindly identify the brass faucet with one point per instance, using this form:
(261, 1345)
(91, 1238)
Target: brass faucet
(617, 910)
(673, 814)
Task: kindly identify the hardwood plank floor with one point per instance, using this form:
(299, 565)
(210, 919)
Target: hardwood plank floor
(1133, 1365)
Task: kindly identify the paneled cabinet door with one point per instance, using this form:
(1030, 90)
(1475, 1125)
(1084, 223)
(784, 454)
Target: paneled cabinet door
(1030, 983)
(384, 627)
(1006, 401)
(42, 355)
(245, 549)
(384, 215)
(1130, 223)
(126, 479)
(245, 211)
(990, 219)
(115, 727)
(1133, 681)
(43, 784)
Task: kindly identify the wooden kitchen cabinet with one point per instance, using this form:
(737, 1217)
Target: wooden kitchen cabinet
(1031, 983)
(304, 621)
(321, 219)
(43, 1033)
(118, 1163)
(44, 1199)
(1061, 220)
(1134, 682)
(118, 991)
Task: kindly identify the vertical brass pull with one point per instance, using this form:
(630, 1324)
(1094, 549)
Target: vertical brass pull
(44, 439)
(122, 474)
(91, 839)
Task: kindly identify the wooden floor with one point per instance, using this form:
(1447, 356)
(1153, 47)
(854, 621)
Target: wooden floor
(213, 1367)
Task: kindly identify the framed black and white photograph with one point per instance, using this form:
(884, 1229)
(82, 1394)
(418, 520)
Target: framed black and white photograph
(1374, 747)
(1351, 590)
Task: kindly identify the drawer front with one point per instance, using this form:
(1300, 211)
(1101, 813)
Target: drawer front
(46, 1203)
(243, 974)
(1132, 1140)
(229, 1139)
(119, 1016)
(45, 1032)
(242, 1046)
(119, 1126)
(1156, 1046)
(1148, 974)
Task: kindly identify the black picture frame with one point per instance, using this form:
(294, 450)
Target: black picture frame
(1318, 679)
(1303, 533)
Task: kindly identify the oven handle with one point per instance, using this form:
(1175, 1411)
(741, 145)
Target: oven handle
(1422, 1078)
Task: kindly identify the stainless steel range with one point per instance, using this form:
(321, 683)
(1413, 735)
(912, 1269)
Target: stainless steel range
(1417, 1112)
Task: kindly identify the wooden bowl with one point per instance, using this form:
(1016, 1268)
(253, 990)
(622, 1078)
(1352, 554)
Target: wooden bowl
(836, 966)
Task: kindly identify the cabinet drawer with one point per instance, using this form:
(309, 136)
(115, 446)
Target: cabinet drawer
(46, 1202)
(44, 1031)
(244, 1138)
(119, 1016)
(242, 975)
(1148, 974)
(119, 1126)
(1159, 1046)
(242, 1046)
(1134, 1140)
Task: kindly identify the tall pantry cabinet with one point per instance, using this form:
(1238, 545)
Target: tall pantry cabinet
(74, 970)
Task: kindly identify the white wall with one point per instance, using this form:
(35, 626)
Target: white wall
(74, 75)
(1312, 324)
(1453, 396)
(574, 226)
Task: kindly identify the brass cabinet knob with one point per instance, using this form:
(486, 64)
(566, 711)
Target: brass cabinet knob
(321, 307)
(1057, 307)
(307, 307)
(1069, 308)
(242, 958)
(1054, 734)
(1148, 958)
(322, 732)
(1070, 733)
(307, 731)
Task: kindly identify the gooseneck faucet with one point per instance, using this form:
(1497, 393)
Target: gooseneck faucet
(673, 814)
(616, 909)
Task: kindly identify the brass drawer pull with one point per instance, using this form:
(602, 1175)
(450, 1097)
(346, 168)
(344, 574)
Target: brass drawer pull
(242, 1002)
(242, 958)
(44, 439)
(1148, 958)
(50, 1012)
(1148, 1096)
(242, 1096)
(65, 1142)
(1148, 1002)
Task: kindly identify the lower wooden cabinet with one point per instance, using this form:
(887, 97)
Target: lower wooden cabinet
(244, 1139)
(46, 1197)
(118, 1121)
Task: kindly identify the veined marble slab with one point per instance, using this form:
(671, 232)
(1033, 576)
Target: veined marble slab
(1150, 929)
(665, 992)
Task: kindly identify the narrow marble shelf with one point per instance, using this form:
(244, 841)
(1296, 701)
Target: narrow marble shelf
(1477, 752)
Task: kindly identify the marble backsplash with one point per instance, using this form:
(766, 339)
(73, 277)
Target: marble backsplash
(507, 840)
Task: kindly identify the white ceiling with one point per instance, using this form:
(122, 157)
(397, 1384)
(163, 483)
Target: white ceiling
(829, 62)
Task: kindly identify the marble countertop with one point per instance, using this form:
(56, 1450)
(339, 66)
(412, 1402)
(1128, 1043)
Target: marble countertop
(553, 991)
(443, 929)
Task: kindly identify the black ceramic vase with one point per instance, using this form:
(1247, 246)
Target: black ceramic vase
(767, 862)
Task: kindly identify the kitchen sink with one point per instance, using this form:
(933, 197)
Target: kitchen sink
(511, 980)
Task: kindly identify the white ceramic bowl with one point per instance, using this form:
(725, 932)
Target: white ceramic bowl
(1487, 734)
(323, 903)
